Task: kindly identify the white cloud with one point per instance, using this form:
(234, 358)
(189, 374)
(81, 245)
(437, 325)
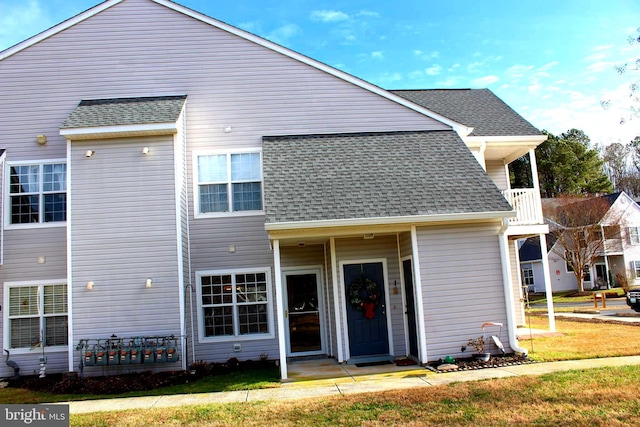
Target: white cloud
(21, 22)
(369, 14)
(426, 56)
(448, 82)
(282, 34)
(601, 66)
(433, 70)
(377, 55)
(329, 15)
(484, 81)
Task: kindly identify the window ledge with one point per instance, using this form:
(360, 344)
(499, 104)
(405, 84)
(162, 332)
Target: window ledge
(228, 214)
(34, 225)
(38, 350)
(228, 338)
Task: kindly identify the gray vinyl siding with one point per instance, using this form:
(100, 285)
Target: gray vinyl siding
(140, 48)
(516, 281)
(123, 231)
(461, 286)
(406, 247)
(380, 247)
(22, 249)
(496, 171)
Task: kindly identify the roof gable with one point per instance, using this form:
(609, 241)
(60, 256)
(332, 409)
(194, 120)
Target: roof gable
(480, 109)
(374, 175)
(460, 128)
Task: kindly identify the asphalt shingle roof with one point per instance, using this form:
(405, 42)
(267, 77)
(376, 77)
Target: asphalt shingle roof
(125, 111)
(373, 175)
(477, 108)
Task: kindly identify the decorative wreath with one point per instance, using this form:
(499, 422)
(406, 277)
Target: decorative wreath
(364, 296)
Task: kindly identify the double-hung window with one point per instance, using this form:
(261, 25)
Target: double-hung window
(36, 315)
(636, 268)
(229, 182)
(37, 193)
(634, 235)
(234, 305)
(527, 276)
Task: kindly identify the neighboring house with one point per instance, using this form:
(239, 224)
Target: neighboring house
(168, 178)
(620, 256)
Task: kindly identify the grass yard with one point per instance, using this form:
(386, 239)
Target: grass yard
(249, 379)
(599, 397)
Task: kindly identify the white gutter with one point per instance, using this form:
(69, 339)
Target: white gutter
(503, 241)
(409, 219)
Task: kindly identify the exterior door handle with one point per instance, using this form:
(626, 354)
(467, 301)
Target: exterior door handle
(286, 313)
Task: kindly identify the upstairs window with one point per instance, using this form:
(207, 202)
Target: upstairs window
(634, 235)
(229, 182)
(38, 193)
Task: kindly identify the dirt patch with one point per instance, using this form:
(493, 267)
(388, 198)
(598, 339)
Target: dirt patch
(138, 381)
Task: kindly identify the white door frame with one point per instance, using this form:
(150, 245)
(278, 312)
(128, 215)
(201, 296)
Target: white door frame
(343, 308)
(294, 271)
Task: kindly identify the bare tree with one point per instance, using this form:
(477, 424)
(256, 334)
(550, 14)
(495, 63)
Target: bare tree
(577, 225)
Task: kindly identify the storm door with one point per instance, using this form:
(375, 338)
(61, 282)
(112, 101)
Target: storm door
(303, 315)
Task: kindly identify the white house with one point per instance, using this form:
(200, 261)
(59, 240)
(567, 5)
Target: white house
(176, 186)
(620, 255)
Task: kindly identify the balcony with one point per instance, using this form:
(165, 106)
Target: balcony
(526, 202)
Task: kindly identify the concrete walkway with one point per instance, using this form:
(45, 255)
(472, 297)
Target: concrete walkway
(346, 385)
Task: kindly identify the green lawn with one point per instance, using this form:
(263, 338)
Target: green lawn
(249, 379)
(595, 397)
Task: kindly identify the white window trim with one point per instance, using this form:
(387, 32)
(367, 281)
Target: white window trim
(196, 183)
(7, 195)
(636, 266)
(528, 267)
(632, 241)
(229, 338)
(6, 332)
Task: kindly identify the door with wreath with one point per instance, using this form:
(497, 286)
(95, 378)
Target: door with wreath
(366, 309)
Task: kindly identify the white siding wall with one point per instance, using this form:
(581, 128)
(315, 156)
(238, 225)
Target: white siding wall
(123, 231)
(461, 286)
(498, 173)
(139, 48)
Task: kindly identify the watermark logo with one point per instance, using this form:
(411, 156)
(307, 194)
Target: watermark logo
(34, 415)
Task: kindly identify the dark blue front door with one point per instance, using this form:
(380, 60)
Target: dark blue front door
(367, 334)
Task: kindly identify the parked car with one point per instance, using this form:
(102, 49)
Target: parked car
(633, 299)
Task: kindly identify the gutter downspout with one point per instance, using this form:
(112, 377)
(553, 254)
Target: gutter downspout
(503, 241)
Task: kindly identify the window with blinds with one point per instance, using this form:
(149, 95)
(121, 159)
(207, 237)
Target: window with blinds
(38, 315)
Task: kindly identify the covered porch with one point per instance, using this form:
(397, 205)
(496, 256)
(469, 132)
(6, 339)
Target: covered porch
(349, 296)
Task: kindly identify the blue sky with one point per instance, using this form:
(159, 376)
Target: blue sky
(551, 60)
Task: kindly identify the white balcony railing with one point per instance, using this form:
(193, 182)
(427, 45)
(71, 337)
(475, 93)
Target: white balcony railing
(526, 202)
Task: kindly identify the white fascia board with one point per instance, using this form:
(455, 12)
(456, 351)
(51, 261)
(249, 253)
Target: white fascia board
(414, 219)
(533, 140)
(58, 28)
(458, 127)
(121, 130)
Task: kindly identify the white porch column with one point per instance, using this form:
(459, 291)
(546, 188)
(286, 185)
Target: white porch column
(417, 282)
(547, 281)
(534, 177)
(282, 343)
(503, 243)
(336, 299)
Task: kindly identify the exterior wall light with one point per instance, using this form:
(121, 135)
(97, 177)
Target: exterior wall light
(89, 285)
(90, 153)
(148, 282)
